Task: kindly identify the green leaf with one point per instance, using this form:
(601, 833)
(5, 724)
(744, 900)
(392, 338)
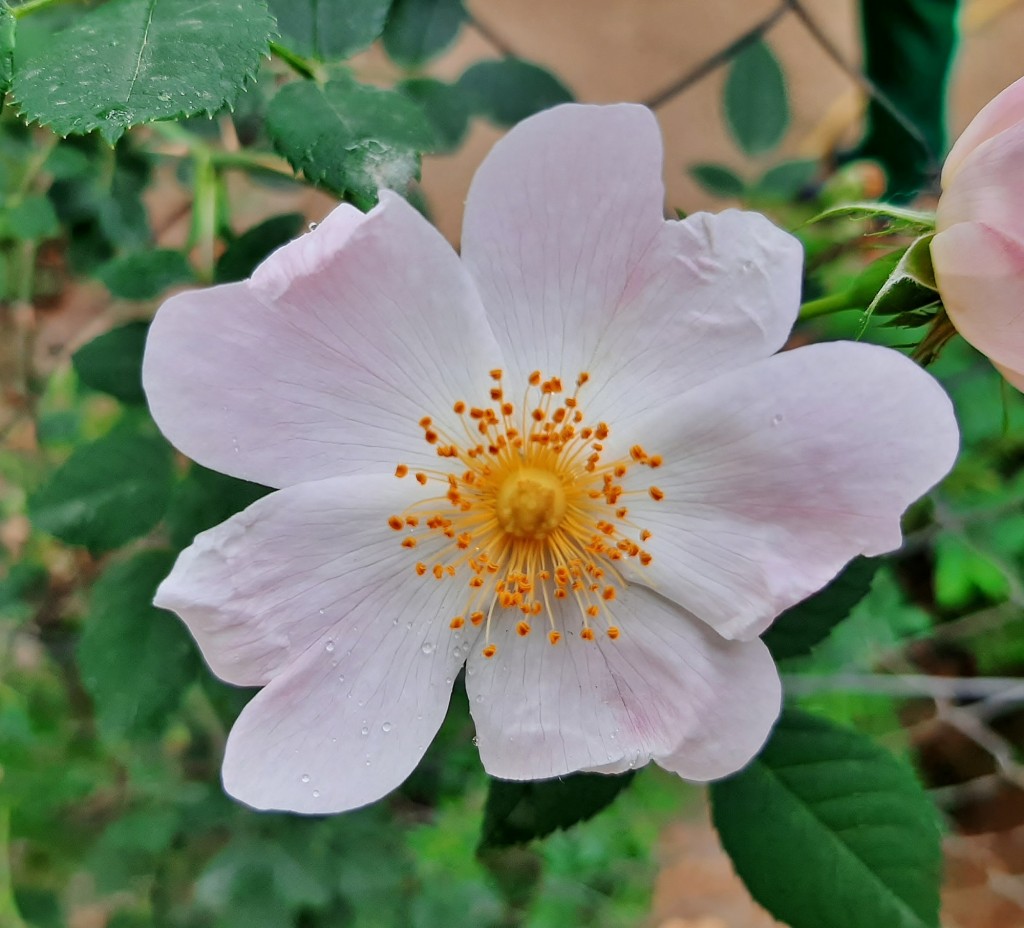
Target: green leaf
(446, 109)
(7, 29)
(33, 219)
(511, 89)
(134, 61)
(521, 811)
(755, 101)
(788, 179)
(800, 628)
(718, 180)
(827, 828)
(107, 492)
(904, 37)
(243, 255)
(112, 362)
(144, 275)
(349, 138)
(329, 29)
(136, 660)
(420, 29)
(204, 499)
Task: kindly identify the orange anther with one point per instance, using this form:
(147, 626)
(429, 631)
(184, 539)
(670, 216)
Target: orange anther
(396, 523)
(592, 611)
(613, 632)
(421, 478)
(645, 535)
(608, 594)
(409, 542)
(523, 629)
(654, 460)
(496, 374)
(582, 379)
(457, 623)
(476, 618)
(489, 651)
(554, 637)
(431, 436)
(476, 582)
(587, 634)
(459, 408)
(421, 568)
(412, 521)
(426, 422)
(438, 571)
(496, 394)
(535, 379)
(645, 558)
(506, 410)
(401, 470)
(656, 494)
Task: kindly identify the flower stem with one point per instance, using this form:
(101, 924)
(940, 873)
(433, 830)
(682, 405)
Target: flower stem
(834, 303)
(300, 65)
(30, 6)
(9, 917)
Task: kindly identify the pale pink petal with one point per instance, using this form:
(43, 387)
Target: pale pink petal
(325, 361)
(776, 475)
(564, 234)
(980, 275)
(989, 187)
(669, 689)
(310, 589)
(312, 563)
(1005, 110)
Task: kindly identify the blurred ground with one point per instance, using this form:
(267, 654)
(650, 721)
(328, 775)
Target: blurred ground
(609, 50)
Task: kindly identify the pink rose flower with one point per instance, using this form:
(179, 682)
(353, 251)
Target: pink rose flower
(570, 460)
(978, 253)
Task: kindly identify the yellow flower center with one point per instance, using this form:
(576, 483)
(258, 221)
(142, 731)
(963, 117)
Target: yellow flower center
(531, 503)
(530, 513)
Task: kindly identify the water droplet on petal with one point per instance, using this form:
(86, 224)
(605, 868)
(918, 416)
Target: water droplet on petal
(364, 730)
(386, 727)
(776, 419)
(476, 741)
(313, 226)
(316, 794)
(427, 648)
(329, 647)
(341, 678)
(305, 778)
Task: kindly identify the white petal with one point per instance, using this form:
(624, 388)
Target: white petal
(579, 272)
(669, 689)
(776, 475)
(326, 360)
(310, 589)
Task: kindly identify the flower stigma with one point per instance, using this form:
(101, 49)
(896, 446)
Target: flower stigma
(530, 513)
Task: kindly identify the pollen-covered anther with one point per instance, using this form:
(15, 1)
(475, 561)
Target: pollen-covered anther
(523, 629)
(587, 634)
(489, 651)
(457, 623)
(396, 522)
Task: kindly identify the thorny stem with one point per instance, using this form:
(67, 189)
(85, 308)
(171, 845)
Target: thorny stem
(719, 58)
(489, 35)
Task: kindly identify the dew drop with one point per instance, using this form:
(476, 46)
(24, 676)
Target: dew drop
(321, 611)
(163, 96)
(365, 730)
(427, 648)
(313, 225)
(341, 678)
(776, 419)
(476, 741)
(305, 778)
(479, 698)
(386, 727)
(316, 794)
(329, 647)
(367, 763)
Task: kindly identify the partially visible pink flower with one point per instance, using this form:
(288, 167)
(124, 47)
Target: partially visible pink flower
(978, 253)
(570, 460)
